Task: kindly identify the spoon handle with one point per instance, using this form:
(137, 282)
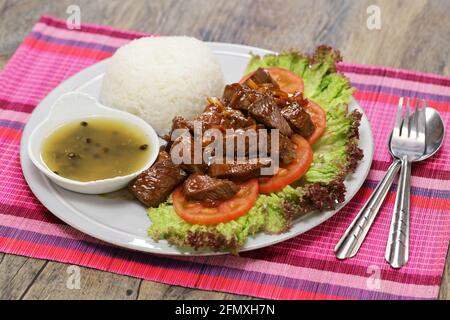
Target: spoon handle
(397, 250)
(354, 236)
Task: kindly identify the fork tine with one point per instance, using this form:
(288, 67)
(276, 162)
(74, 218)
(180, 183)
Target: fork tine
(414, 121)
(405, 127)
(398, 118)
(421, 121)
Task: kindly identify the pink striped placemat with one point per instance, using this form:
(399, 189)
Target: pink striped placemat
(301, 268)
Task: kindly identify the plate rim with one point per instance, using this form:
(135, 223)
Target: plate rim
(77, 81)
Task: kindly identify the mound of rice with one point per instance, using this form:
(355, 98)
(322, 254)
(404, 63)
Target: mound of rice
(159, 78)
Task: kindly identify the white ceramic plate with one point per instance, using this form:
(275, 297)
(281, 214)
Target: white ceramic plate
(124, 222)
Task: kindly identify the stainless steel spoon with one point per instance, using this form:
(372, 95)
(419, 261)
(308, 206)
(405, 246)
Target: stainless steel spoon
(355, 234)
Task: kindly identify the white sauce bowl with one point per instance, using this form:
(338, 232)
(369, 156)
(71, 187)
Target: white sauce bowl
(75, 106)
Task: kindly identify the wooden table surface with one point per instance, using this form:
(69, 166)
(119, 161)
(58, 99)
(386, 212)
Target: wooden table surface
(414, 34)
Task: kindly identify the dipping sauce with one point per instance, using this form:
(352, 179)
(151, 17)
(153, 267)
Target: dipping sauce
(95, 149)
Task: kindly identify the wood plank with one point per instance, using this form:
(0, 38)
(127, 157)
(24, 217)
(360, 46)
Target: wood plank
(3, 60)
(403, 41)
(17, 274)
(55, 282)
(444, 292)
(156, 291)
(150, 290)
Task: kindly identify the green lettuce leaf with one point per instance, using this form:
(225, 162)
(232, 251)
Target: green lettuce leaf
(267, 215)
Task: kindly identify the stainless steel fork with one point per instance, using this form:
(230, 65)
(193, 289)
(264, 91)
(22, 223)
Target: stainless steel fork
(355, 234)
(408, 145)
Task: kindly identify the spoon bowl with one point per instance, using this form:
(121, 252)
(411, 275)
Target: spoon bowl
(434, 137)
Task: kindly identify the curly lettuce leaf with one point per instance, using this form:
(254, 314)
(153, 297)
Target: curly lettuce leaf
(267, 215)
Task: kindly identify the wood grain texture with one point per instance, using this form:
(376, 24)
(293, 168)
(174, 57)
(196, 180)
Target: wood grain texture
(17, 274)
(3, 60)
(154, 291)
(55, 282)
(413, 35)
(444, 292)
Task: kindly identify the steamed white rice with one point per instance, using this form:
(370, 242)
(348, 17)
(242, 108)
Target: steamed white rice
(159, 78)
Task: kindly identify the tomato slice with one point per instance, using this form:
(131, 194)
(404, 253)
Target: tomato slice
(291, 172)
(196, 212)
(319, 118)
(287, 80)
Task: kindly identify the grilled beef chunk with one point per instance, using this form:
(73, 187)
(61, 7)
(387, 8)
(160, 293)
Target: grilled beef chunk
(266, 111)
(239, 97)
(200, 187)
(262, 76)
(216, 115)
(179, 122)
(299, 119)
(235, 119)
(286, 149)
(191, 165)
(166, 139)
(211, 116)
(243, 138)
(154, 185)
(238, 172)
(163, 155)
(230, 92)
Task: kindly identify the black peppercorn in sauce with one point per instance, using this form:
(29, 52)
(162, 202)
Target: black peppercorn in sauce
(95, 149)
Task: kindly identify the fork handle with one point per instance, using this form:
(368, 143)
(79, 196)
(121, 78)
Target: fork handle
(397, 250)
(355, 234)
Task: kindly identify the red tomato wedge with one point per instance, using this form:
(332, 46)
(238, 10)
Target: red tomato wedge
(293, 171)
(319, 118)
(287, 80)
(196, 212)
